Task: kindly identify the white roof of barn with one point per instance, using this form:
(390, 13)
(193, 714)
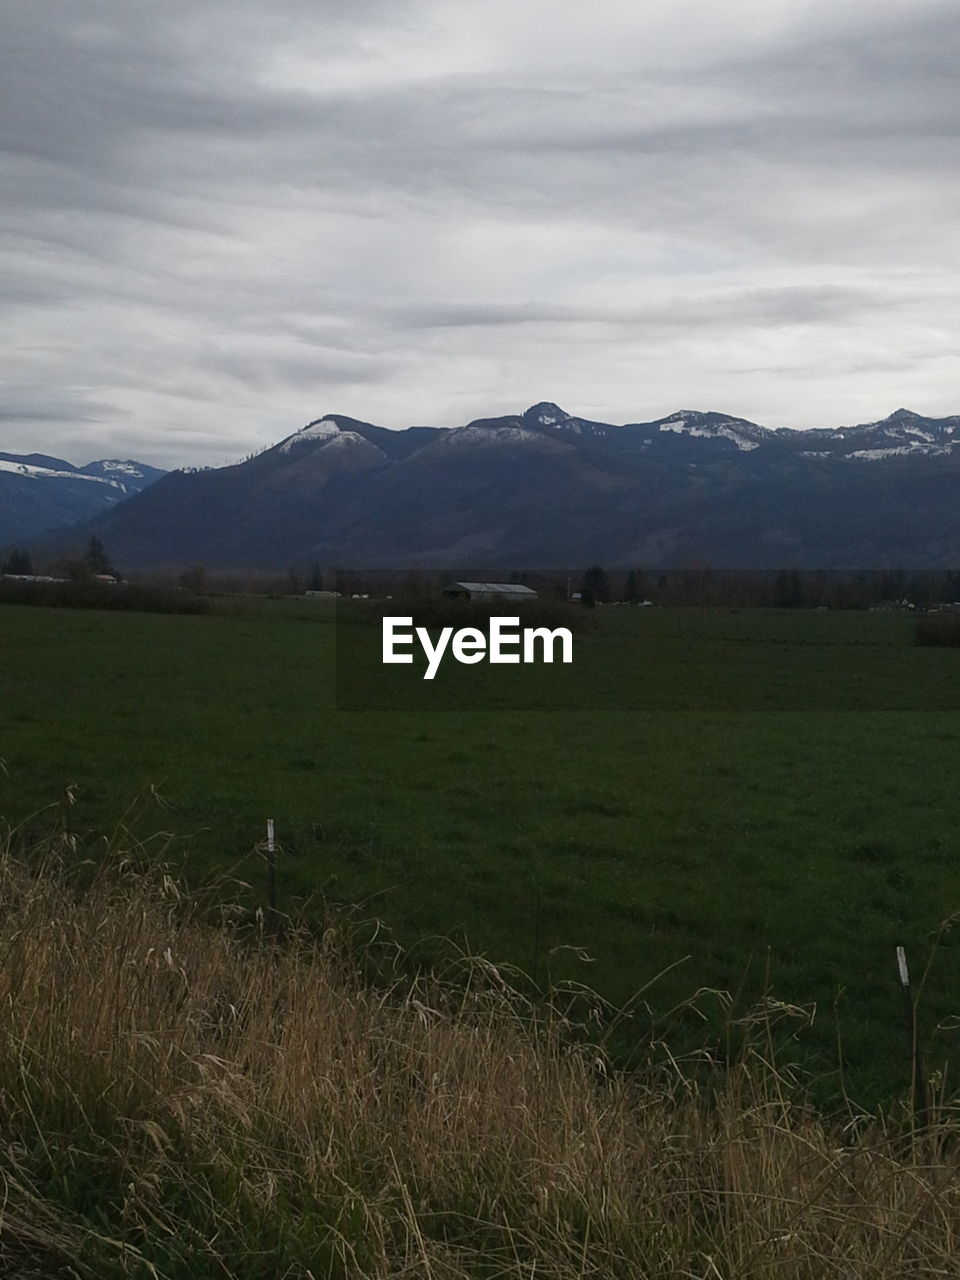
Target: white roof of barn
(500, 588)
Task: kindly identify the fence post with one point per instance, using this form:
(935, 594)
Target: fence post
(536, 937)
(918, 1083)
(271, 868)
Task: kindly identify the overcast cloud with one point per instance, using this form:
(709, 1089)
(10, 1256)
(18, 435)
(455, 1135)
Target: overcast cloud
(220, 221)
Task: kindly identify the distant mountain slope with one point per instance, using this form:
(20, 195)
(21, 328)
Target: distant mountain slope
(547, 488)
(39, 493)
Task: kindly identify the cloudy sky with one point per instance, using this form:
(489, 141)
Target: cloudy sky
(220, 221)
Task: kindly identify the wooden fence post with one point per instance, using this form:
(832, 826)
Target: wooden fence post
(271, 868)
(536, 937)
(918, 1083)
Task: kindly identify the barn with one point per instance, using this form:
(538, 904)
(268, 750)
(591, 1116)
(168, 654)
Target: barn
(509, 592)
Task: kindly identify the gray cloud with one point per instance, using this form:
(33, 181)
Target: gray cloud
(795, 305)
(221, 220)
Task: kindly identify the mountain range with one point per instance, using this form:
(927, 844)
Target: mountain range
(546, 488)
(39, 493)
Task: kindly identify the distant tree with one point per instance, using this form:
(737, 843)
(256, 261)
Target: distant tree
(635, 587)
(587, 599)
(345, 584)
(18, 561)
(697, 584)
(194, 579)
(413, 584)
(74, 569)
(818, 590)
(595, 581)
(788, 590)
(96, 558)
(315, 581)
(919, 589)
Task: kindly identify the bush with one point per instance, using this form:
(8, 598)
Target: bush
(100, 595)
(938, 628)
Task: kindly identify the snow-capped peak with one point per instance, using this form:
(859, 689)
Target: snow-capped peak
(691, 422)
(900, 416)
(546, 414)
(47, 473)
(114, 464)
(901, 432)
(550, 417)
(680, 417)
(321, 429)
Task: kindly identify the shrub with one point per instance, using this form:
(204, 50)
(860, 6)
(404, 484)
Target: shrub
(100, 595)
(939, 629)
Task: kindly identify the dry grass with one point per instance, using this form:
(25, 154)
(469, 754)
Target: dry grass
(180, 1098)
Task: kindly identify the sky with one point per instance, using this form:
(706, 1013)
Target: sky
(221, 221)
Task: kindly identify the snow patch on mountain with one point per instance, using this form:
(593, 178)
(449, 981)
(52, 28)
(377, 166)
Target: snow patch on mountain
(896, 450)
(123, 468)
(26, 469)
(323, 429)
(692, 424)
(918, 434)
(487, 437)
(901, 433)
(351, 439)
(548, 414)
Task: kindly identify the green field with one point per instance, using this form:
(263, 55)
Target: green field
(755, 797)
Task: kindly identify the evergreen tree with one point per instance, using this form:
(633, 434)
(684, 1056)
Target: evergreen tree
(630, 588)
(595, 582)
(788, 591)
(18, 561)
(96, 558)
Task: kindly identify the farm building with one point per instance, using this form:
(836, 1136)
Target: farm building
(509, 591)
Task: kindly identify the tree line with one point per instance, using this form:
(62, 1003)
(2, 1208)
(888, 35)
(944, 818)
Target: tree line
(779, 588)
(693, 585)
(92, 562)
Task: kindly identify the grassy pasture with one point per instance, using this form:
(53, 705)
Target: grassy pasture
(756, 798)
(183, 1099)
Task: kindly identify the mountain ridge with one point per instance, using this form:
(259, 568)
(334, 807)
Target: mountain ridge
(913, 428)
(545, 487)
(40, 492)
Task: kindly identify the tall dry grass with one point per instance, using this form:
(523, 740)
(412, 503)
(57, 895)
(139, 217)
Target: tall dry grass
(185, 1098)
